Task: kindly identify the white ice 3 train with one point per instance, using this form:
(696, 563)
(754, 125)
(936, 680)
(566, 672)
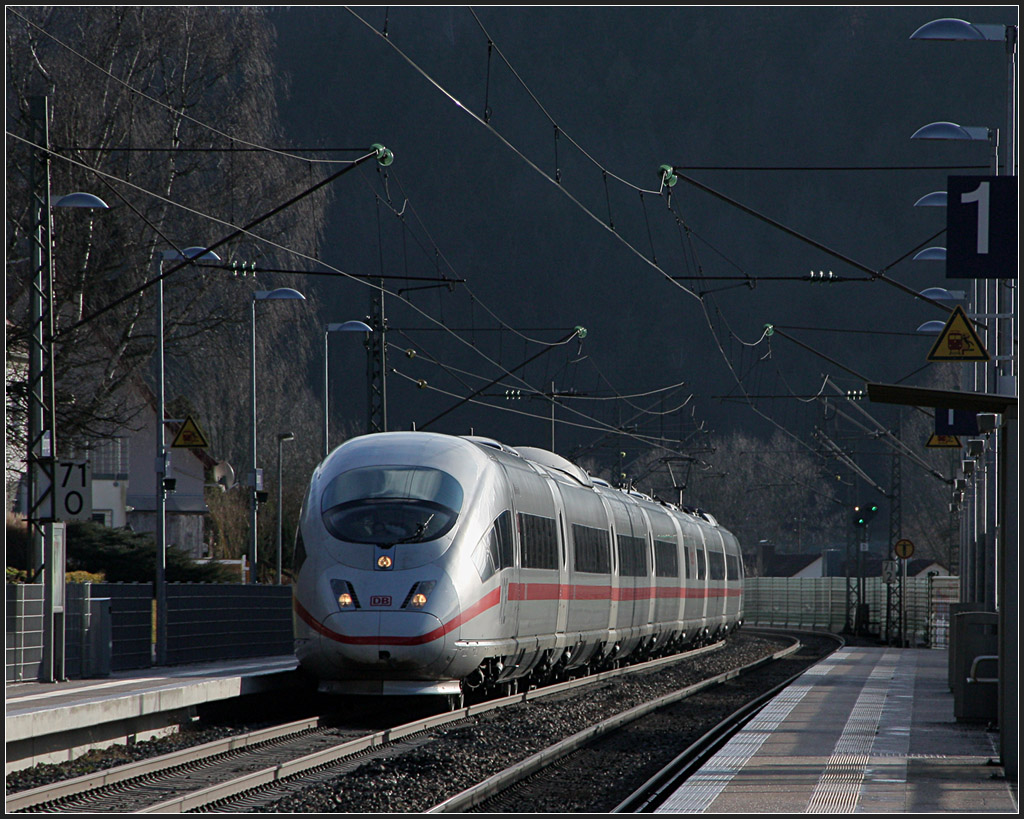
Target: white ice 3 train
(436, 564)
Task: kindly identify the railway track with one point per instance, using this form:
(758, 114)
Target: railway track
(300, 766)
(620, 766)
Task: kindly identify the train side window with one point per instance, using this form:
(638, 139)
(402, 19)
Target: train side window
(632, 556)
(591, 552)
(701, 567)
(494, 551)
(732, 565)
(716, 563)
(539, 539)
(666, 558)
(485, 556)
(503, 532)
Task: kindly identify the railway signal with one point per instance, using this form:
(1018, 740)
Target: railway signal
(863, 513)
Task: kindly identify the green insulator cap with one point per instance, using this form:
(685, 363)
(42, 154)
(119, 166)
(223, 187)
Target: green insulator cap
(668, 175)
(384, 155)
(581, 332)
(769, 330)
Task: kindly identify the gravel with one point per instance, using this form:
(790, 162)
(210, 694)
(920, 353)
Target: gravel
(101, 759)
(460, 757)
(454, 758)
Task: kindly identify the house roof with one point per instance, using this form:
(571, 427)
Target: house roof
(916, 566)
(787, 565)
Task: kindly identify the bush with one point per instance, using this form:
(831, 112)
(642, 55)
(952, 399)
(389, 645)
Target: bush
(17, 545)
(84, 577)
(123, 556)
(96, 552)
(16, 575)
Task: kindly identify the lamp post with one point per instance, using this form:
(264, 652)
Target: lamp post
(255, 479)
(982, 519)
(345, 327)
(46, 535)
(281, 438)
(161, 462)
(952, 29)
(1004, 512)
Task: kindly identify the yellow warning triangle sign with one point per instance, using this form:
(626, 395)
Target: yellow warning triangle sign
(943, 441)
(190, 436)
(958, 340)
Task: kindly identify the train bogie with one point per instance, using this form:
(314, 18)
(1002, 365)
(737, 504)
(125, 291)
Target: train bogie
(427, 562)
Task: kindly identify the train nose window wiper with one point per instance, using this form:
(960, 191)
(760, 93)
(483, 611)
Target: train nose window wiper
(389, 505)
(420, 529)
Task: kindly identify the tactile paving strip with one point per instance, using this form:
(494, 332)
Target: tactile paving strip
(701, 789)
(839, 786)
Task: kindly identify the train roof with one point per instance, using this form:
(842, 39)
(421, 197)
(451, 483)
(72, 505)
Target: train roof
(437, 443)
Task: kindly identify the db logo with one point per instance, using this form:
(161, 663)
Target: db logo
(380, 600)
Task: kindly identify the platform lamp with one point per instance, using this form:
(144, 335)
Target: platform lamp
(255, 477)
(951, 131)
(162, 483)
(344, 327)
(952, 29)
(46, 535)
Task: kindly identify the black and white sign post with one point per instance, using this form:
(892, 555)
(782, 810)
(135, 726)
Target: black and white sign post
(74, 491)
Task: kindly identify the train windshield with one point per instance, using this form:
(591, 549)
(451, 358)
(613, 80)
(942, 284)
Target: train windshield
(388, 505)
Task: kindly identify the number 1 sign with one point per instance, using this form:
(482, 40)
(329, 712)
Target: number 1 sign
(981, 227)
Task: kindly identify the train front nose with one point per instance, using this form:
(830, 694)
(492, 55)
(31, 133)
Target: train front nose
(386, 642)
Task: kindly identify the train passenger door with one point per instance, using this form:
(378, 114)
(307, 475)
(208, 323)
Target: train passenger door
(509, 606)
(562, 615)
(644, 592)
(701, 575)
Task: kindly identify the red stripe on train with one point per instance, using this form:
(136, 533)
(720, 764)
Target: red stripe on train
(486, 602)
(516, 591)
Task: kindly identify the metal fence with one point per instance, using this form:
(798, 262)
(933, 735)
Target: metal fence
(822, 603)
(110, 626)
(24, 631)
(225, 622)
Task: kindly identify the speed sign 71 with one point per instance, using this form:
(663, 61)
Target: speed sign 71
(74, 490)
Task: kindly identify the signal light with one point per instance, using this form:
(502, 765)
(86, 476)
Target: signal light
(862, 514)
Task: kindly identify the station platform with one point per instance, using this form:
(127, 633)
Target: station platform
(56, 722)
(867, 730)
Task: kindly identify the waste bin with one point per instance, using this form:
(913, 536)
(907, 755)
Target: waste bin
(975, 641)
(955, 609)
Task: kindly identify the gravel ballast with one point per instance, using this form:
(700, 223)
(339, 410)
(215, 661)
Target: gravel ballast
(460, 757)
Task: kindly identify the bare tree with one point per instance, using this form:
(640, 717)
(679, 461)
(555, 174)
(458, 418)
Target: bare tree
(167, 113)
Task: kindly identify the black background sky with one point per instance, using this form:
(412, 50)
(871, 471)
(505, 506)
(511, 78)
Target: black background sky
(724, 94)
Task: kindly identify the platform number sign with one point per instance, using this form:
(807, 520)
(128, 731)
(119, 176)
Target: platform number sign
(74, 490)
(981, 227)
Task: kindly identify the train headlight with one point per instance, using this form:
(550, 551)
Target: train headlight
(344, 594)
(384, 562)
(419, 594)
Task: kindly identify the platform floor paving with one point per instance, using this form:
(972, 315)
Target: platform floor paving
(867, 730)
